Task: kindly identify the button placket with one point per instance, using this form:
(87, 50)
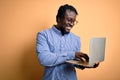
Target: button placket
(62, 43)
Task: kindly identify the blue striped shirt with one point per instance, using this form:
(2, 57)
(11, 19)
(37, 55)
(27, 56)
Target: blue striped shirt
(53, 49)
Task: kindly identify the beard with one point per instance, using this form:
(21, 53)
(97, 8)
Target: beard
(63, 30)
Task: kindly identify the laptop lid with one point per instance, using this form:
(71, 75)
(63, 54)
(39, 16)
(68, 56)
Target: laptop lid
(97, 50)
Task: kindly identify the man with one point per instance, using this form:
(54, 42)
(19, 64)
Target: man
(57, 45)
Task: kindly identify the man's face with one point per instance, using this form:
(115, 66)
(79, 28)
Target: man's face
(68, 21)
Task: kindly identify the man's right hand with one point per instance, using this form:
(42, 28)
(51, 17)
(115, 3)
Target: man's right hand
(81, 55)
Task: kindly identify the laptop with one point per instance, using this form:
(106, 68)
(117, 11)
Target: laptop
(96, 52)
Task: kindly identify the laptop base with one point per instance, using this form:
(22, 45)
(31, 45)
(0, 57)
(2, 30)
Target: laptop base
(80, 63)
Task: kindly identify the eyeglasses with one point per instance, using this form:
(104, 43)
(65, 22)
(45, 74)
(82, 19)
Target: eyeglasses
(70, 20)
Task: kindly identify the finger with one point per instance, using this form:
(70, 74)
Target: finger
(79, 59)
(86, 57)
(95, 65)
(80, 67)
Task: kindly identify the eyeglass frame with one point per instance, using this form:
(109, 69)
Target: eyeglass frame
(71, 21)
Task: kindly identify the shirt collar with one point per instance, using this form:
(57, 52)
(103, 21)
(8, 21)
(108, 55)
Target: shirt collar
(56, 30)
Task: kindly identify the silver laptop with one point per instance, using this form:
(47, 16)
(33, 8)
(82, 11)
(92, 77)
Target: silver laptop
(96, 52)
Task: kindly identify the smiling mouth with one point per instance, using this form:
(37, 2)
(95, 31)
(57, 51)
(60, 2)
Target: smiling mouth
(68, 29)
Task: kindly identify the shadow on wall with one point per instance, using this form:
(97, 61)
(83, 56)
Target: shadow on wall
(31, 69)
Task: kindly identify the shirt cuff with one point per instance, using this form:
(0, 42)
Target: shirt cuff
(71, 55)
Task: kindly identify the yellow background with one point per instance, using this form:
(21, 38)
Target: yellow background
(20, 20)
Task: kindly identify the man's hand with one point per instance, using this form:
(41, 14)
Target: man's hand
(94, 66)
(83, 67)
(80, 67)
(81, 55)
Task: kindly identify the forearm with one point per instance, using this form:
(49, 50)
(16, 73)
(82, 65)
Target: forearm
(47, 58)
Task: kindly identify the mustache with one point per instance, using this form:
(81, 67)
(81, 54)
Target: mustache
(64, 26)
(69, 25)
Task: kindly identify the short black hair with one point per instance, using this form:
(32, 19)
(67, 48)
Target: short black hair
(62, 9)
